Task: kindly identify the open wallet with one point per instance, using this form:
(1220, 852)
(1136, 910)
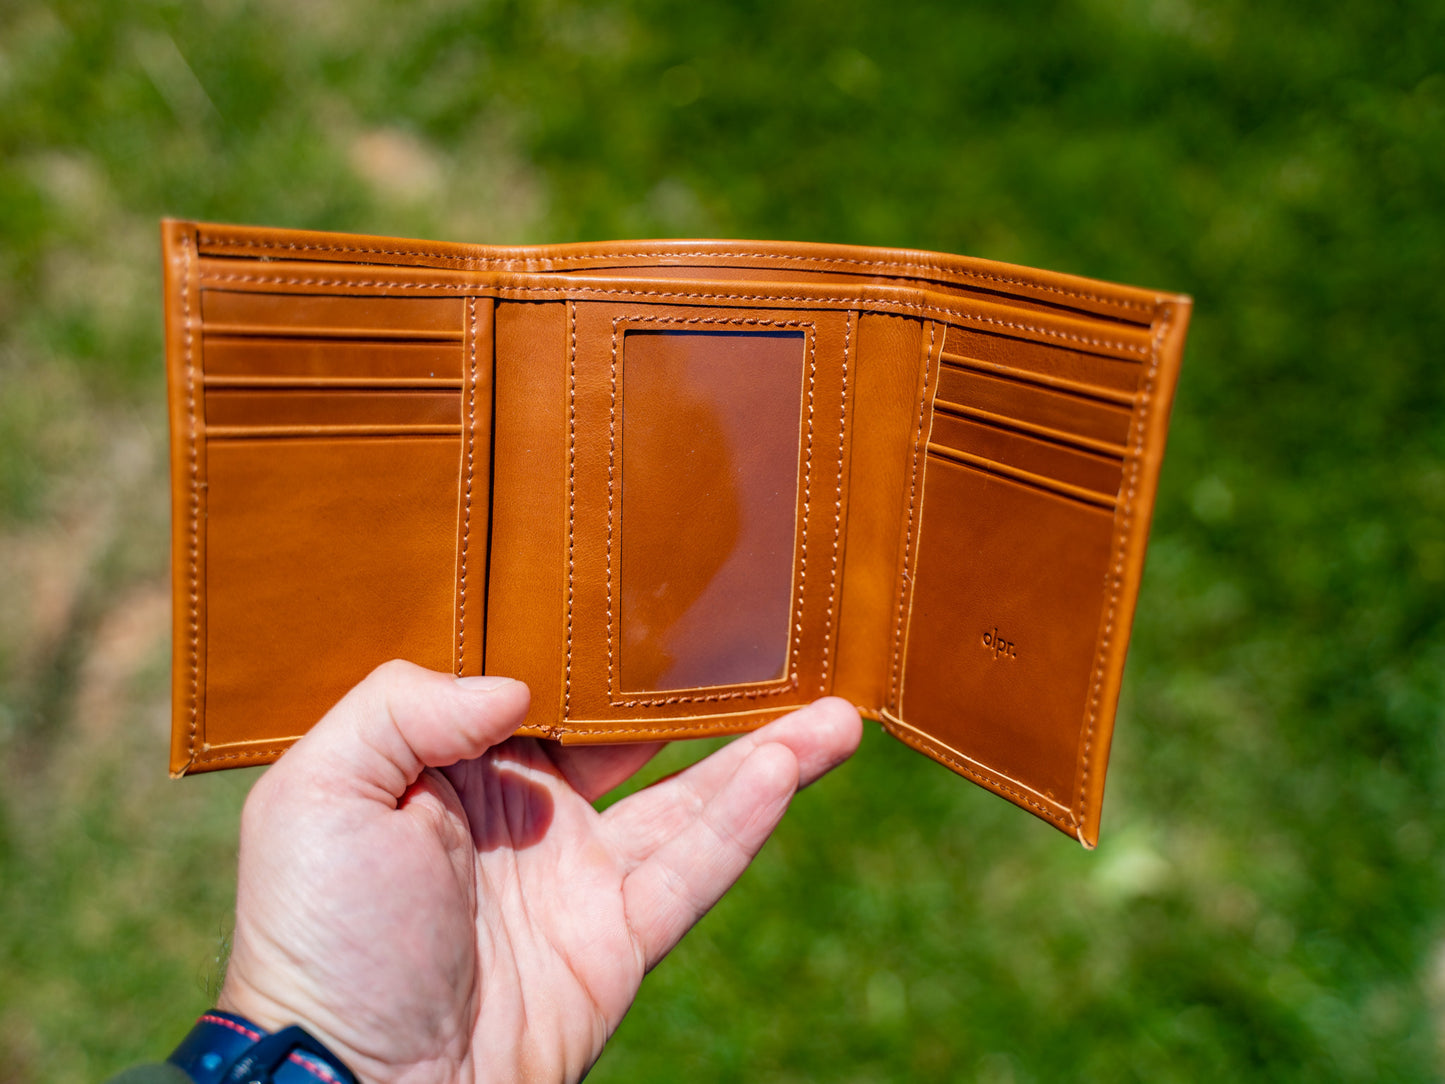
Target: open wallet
(677, 487)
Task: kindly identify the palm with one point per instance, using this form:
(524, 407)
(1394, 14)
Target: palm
(483, 919)
(549, 904)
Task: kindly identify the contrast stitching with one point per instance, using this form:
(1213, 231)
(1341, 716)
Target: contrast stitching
(250, 754)
(293, 246)
(193, 551)
(571, 493)
(611, 476)
(211, 1018)
(751, 693)
(643, 727)
(837, 504)
(905, 306)
(904, 587)
(1121, 547)
(807, 512)
(255, 1036)
(315, 1070)
(471, 449)
(516, 261)
(988, 779)
(741, 694)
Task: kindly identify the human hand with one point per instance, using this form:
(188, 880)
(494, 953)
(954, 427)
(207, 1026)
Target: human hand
(437, 901)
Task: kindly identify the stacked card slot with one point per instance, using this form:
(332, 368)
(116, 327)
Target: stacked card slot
(333, 426)
(1056, 420)
(285, 365)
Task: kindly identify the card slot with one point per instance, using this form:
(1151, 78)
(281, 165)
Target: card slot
(322, 315)
(315, 572)
(263, 432)
(264, 356)
(324, 333)
(1087, 470)
(1104, 447)
(989, 368)
(1077, 494)
(240, 408)
(1004, 619)
(387, 383)
(1039, 409)
(1081, 367)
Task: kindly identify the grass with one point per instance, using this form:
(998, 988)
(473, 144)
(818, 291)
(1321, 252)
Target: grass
(1267, 901)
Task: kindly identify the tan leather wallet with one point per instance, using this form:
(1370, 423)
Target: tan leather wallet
(677, 487)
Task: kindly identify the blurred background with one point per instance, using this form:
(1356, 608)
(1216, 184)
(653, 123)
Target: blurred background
(1267, 899)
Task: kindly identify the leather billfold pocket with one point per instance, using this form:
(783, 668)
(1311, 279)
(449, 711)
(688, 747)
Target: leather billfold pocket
(677, 487)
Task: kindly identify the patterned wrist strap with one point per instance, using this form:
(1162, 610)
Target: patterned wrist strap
(224, 1048)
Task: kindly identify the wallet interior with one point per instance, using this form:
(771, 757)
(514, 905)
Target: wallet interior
(677, 487)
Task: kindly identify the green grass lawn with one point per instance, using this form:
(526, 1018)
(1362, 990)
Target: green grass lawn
(1267, 899)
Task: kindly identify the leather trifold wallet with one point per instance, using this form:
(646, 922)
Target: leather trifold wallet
(677, 487)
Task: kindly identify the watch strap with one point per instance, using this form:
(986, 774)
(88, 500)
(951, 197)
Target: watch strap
(224, 1048)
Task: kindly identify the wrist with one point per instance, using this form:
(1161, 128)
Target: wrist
(270, 1015)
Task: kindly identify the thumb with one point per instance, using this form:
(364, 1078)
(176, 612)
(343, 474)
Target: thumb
(401, 719)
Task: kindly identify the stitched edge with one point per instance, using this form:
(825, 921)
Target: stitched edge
(208, 757)
(611, 467)
(903, 306)
(571, 496)
(646, 731)
(239, 1029)
(516, 261)
(255, 1036)
(904, 587)
(906, 734)
(611, 457)
(1121, 548)
(837, 504)
(194, 503)
(471, 450)
(807, 509)
(797, 634)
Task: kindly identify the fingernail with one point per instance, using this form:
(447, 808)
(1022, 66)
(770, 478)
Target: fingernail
(483, 683)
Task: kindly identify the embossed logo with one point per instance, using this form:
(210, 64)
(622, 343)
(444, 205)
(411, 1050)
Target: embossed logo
(1001, 648)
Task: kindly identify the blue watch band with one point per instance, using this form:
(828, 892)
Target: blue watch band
(224, 1048)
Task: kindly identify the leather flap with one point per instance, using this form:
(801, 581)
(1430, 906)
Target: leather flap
(329, 503)
(1031, 486)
